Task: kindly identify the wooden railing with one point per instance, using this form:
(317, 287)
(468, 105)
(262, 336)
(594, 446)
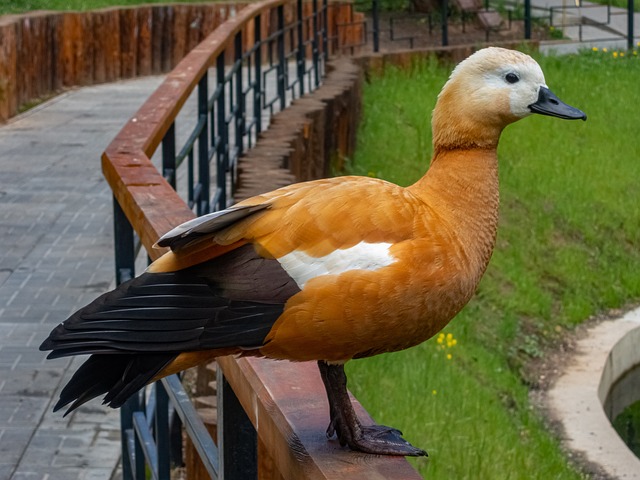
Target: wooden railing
(284, 402)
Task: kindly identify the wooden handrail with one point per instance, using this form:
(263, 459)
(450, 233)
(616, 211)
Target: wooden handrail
(286, 402)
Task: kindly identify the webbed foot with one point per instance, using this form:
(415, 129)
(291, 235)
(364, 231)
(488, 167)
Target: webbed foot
(376, 439)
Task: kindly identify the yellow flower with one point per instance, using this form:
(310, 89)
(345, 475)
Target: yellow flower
(635, 53)
(449, 356)
(595, 49)
(622, 54)
(615, 54)
(605, 49)
(434, 392)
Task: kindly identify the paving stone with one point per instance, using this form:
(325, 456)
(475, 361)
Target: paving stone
(56, 256)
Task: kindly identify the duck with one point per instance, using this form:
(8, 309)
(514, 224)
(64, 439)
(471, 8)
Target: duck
(329, 270)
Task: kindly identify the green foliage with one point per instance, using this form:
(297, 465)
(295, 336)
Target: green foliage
(383, 5)
(21, 6)
(619, 3)
(567, 249)
(627, 424)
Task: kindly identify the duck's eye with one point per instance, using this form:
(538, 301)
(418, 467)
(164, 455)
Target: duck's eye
(512, 77)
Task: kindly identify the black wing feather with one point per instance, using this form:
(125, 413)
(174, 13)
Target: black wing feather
(134, 331)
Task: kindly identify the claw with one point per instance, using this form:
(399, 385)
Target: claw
(376, 439)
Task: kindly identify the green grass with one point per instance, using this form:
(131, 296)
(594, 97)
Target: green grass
(21, 6)
(567, 249)
(619, 3)
(627, 424)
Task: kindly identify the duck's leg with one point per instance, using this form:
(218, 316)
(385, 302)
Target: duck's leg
(376, 439)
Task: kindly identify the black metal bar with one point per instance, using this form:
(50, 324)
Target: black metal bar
(135, 454)
(527, 19)
(238, 439)
(300, 48)
(315, 46)
(204, 177)
(240, 99)
(444, 21)
(630, 13)
(257, 93)
(376, 25)
(282, 61)
(125, 255)
(190, 180)
(163, 439)
(145, 445)
(222, 159)
(169, 156)
(193, 425)
(325, 32)
(126, 425)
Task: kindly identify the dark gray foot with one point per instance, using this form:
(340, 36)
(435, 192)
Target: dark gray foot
(376, 439)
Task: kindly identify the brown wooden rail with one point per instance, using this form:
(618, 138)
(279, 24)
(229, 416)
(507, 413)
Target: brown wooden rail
(286, 402)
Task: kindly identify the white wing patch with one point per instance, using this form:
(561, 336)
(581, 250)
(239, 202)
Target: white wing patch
(363, 256)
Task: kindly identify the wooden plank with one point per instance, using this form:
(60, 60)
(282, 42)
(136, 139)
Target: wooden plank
(112, 53)
(159, 13)
(128, 42)
(194, 26)
(286, 402)
(179, 29)
(100, 47)
(84, 48)
(144, 54)
(8, 69)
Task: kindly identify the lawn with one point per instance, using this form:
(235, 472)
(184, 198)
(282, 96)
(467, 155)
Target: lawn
(21, 6)
(567, 249)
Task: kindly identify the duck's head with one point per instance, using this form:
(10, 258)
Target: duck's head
(489, 90)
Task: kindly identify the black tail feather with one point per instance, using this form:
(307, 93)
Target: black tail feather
(117, 376)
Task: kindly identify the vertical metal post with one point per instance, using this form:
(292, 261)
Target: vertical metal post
(376, 25)
(139, 466)
(257, 93)
(300, 49)
(630, 13)
(169, 156)
(237, 439)
(444, 21)
(240, 107)
(204, 177)
(527, 19)
(124, 245)
(325, 32)
(282, 61)
(222, 163)
(163, 443)
(315, 47)
(126, 425)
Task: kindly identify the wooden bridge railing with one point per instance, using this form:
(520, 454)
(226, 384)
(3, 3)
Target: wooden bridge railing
(278, 431)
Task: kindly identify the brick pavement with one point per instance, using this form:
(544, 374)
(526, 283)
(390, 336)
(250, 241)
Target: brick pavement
(56, 254)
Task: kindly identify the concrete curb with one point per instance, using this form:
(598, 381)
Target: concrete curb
(575, 402)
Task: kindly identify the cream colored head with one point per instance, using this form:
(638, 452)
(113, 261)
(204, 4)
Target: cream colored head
(487, 91)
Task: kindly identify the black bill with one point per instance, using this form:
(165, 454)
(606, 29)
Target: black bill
(549, 104)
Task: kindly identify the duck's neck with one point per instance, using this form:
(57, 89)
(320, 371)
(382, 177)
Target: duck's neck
(461, 185)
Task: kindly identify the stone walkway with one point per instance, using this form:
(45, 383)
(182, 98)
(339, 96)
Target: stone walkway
(56, 255)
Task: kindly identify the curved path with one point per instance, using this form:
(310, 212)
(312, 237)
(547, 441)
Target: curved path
(56, 254)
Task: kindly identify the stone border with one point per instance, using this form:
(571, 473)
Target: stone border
(577, 396)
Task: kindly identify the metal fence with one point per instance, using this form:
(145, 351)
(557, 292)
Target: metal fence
(260, 74)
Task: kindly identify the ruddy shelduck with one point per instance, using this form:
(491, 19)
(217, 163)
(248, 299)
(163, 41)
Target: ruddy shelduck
(329, 270)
